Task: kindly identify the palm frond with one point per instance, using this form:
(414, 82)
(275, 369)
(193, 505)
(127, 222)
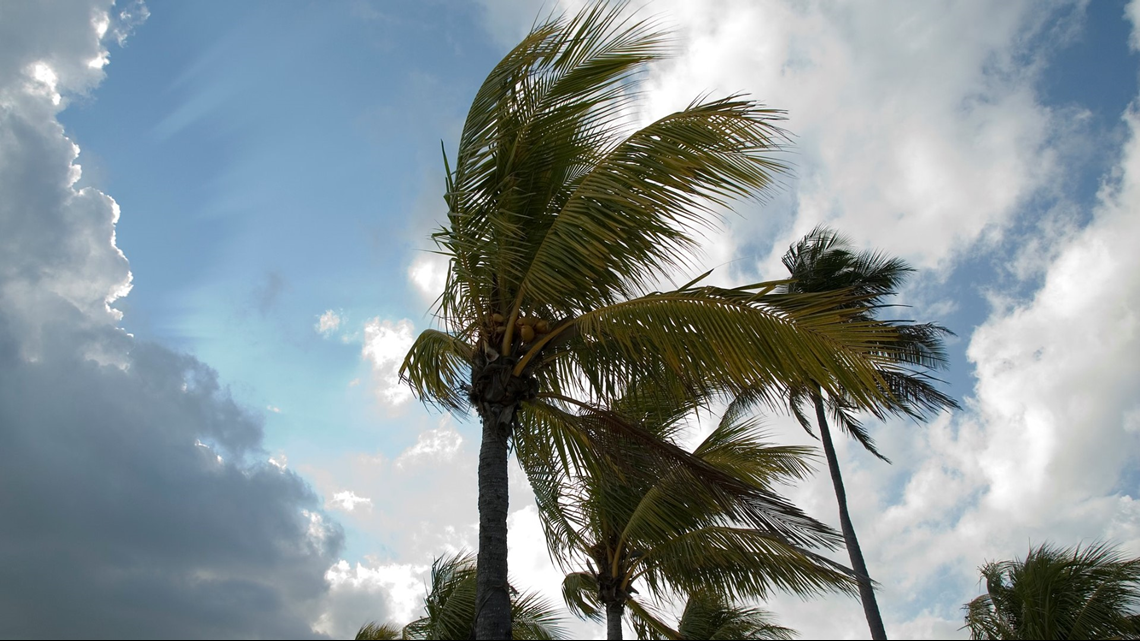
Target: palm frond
(373, 631)
(580, 592)
(717, 340)
(635, 211)
(709, 616)
(438, 367)
(648, 624)
(742, 563)
(1059, 593)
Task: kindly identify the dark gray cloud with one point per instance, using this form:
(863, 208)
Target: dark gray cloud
(135, 499)
(117, 522)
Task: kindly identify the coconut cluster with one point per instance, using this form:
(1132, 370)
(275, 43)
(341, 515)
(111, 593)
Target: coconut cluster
(527, 328)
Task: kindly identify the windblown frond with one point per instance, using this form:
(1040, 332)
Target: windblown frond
(373, 631)
(1055, 593)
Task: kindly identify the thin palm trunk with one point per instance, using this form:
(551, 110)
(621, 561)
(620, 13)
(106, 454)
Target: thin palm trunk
(866, 591)
(614, 612)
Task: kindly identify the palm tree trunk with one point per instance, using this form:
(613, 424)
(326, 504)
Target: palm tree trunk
(614, 611)
(496, 395)
(866, 591)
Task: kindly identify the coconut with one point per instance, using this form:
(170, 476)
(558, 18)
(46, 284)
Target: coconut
(527, 333)
(498, 318)
(542, 326)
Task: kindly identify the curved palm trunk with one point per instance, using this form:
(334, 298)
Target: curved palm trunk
(866, 591)
(614, 612)
(496, 395)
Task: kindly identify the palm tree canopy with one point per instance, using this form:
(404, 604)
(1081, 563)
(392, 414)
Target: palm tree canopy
(450, 609)
(666, 531)
(824, 261)
(561, 219)
(708, 616)
(1059, 593)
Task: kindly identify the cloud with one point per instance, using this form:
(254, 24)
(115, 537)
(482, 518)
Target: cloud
(135, 493)
(349, 501)
(390, 592)
(439, 445)
(424, 506)
(385, 345)
(428, 274)
(328, 323)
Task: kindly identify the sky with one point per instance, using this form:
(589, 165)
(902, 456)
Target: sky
(214, 252)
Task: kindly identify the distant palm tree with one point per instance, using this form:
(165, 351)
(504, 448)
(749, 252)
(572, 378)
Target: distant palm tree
(450, 609)
(821, 262)
(664, 531)
(1057, 593)
(708, 616)
(561, 221)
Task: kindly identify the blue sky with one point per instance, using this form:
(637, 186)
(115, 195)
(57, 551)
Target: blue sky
(277, 170)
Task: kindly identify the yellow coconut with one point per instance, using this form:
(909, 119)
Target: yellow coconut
(526, 333)
(498, 318)
(542, 326)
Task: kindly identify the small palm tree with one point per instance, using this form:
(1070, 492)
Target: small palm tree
(1054, 593)
(821, 262)
(450, 609)
(560, 220)
(663, 531)
(709, 616)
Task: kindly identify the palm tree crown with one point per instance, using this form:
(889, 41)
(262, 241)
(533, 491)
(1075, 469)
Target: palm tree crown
(450, 609)
(1054, 593)
(709, 616)
(665, 532)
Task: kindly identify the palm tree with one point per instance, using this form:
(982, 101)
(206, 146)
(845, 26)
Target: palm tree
(709, 616)
(450, 609)
(1057, 593)
(560, 221)
(664, 533)
(823, 262)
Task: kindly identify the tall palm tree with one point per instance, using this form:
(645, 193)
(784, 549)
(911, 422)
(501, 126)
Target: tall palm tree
(663, 533)
(559, 222)
(709, 616)
(1054, 593)
(823, 261)
(450, 609)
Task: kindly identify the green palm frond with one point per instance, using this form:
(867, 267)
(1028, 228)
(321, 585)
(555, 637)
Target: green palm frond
(708, 616)
(635, 456)
(637, 209)
(741, 563)
(1059, 593)
(534, 618)
(449, 608)
(373, 631)
(648, 623)
(580, 592)
(717, 340)
(438, 368)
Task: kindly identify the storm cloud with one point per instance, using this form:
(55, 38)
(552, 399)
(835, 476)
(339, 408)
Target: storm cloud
(136, 500)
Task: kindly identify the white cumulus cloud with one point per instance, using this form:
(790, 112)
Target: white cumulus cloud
(385, 345)
(349, 501)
